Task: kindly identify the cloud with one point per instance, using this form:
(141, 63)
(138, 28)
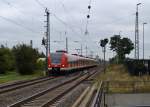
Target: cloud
(108, 17)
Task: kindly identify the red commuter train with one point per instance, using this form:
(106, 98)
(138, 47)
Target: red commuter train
(61, 62)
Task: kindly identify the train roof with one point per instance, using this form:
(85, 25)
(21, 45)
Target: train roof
(75, 55)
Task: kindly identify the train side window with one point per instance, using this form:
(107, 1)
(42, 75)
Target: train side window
(71, 64)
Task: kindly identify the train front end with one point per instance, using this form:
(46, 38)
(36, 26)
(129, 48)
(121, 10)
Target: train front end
(56, 62)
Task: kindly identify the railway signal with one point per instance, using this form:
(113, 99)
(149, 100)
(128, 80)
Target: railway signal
(103, 44)
(46, 41)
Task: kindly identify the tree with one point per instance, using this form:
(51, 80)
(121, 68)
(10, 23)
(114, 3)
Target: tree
(7, 62)
(26, 58)
(121, 46)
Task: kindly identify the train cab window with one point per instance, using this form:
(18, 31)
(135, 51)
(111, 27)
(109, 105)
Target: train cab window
(56, 58)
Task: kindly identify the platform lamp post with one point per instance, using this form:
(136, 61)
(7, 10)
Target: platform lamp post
(143, 40)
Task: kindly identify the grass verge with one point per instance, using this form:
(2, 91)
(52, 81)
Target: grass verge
(119, 73)
(14, 76)
(119, 80)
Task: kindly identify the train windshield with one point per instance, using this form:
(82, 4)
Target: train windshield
(56, 58)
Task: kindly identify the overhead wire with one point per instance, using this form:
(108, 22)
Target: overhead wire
(82, 32)
(12, 6)
(56, 17)
(70, 16)
(59, 19)
(18, 24)
(41, 4)
(15, 22)
(64, 23)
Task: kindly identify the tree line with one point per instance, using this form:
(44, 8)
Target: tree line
(121, 46)
(21, 58)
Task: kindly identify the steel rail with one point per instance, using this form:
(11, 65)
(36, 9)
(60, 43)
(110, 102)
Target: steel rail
(50, 102)
(26, 102)
(5, 85)
(23, 84)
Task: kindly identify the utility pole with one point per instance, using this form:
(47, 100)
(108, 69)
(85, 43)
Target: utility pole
(47, 44)
(31, 43)
(104, 50)
(137, 33)
(86, 48)
(81, 49)
(91, 54)
(78, 50)
(143, 41)
(67, 44)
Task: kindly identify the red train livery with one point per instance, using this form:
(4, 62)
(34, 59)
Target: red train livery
(61, 62)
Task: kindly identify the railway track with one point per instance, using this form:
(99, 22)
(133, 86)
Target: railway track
(50, 96)
(22, 84)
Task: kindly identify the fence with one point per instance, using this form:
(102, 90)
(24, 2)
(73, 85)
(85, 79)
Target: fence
(99, 99)
(107, 87)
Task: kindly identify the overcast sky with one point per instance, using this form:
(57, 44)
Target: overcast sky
(23, 20)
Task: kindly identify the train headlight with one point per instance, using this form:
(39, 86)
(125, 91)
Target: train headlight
(63, 65)
(49, 65)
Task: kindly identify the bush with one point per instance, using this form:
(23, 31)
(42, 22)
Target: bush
(26, 58)
(40, 65)
(136, 67)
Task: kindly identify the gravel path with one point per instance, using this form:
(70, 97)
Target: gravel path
(71, 97)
